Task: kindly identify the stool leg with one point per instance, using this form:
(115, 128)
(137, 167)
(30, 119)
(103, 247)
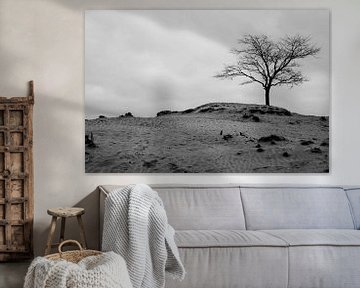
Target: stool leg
(51, 235)
(62, 230)
(82, 232)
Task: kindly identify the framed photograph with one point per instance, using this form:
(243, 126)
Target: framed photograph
(207, 91)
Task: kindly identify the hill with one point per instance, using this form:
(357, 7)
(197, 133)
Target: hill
(215, 137)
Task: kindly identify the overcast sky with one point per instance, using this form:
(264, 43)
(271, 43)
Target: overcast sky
(145, 61)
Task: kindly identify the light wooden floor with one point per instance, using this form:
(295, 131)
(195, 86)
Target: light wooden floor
(12, 274)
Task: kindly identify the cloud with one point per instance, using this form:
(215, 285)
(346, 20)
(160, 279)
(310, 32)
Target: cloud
(135, 63)
(147, 68)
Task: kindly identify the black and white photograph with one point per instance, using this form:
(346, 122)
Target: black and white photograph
(207, 91)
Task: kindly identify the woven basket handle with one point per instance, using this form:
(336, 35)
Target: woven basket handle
(69, 241)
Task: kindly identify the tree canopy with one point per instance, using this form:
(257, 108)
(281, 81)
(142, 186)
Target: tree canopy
(270, 63)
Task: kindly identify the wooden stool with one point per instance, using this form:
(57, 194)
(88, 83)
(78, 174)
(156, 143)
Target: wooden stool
(64, 213)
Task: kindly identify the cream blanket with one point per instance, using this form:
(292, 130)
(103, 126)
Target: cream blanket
(136, 227)
(103, 271)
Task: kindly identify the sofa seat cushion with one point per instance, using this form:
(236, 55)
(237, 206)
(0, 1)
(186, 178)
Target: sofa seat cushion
(317, 237)
(233, 267)
(225, 238)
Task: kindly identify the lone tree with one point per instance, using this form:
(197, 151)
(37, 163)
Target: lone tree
(270, 63)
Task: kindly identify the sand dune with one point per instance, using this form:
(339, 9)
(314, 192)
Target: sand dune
(216, 137)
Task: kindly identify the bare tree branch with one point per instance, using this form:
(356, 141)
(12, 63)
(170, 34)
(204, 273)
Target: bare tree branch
(270, 63)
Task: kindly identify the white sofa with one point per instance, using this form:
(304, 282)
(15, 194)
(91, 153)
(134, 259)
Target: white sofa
(264, 237)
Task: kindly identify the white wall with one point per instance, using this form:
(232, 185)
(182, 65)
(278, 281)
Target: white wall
(43, 40)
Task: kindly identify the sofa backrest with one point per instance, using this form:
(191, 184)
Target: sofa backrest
(257, 208)
(203, 208)
(296, 208)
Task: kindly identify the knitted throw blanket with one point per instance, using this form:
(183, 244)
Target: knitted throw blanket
(136, 227)
(103, 271)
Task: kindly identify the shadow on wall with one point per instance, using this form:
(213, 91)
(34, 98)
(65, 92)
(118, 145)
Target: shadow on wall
(72, 231)
(91, 217)
(49, 50)
(58, 157)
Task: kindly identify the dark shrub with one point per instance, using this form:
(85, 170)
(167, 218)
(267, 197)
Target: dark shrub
(286, 154)
(255, 118)
(270, 110)
(209, 109)
(306, 142)
(188, 111)
(271, 138)
(316, 150)
(324, 144)
(162, 113)
(227, 137)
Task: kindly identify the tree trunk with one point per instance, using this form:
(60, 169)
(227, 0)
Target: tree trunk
(267, 96)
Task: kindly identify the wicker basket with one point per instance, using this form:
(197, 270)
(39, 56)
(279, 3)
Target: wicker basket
(72, 256)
